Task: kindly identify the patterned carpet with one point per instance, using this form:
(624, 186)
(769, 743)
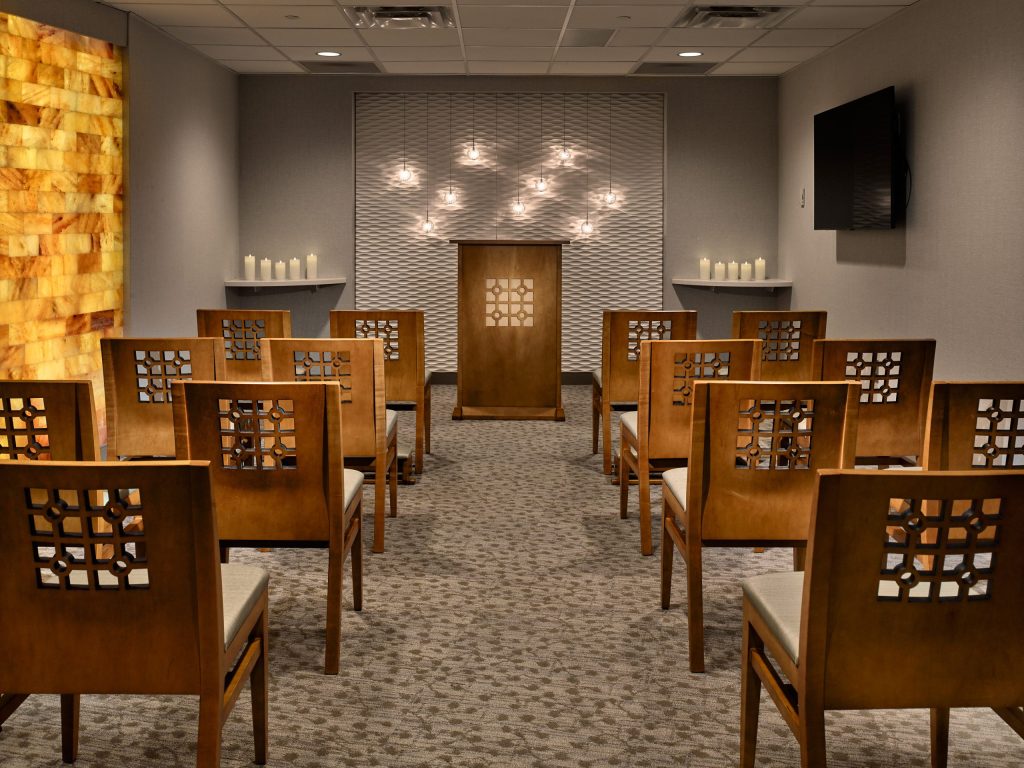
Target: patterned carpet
(511, 622)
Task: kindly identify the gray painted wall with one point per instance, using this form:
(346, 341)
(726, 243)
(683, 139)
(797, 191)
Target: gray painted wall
(956, 270)
(296, 184)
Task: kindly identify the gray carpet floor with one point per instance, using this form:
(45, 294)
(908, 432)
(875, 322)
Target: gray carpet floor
(511, 622)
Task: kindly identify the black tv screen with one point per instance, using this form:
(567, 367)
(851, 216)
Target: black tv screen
(858, 164)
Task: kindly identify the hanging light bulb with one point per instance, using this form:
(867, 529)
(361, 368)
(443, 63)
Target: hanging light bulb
(564, 154)
(473, 153)
(427, 226)
(610, 197)
(518, 207)
(541, 185)
(586, 227)
(405, 174)
(450, 198)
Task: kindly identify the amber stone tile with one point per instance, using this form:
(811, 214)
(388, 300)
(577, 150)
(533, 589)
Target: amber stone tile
(23, 245)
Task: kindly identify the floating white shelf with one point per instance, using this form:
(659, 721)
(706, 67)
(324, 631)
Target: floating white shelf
(741, 285)
(257, 284)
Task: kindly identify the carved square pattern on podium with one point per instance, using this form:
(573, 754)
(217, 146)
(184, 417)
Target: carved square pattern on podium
(387, 330)
(23, 429)
(878, 373)
(156, 369)
(646, 330)
(257, 434)
(774, 434)
(509, 302)
(311, 365)
(781, 340)
(87, 538)
(960, 537)
(697, 365)
(999, 435)
(242, 338)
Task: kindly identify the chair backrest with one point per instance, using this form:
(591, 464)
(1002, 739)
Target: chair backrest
(358, 367)
(137, 376)
(895, 377)
(975, 425)
(48, 420)
(241, 331)
(754, 450)
(402, 334)
(880, 629)
(668, 370)
(788, 352)
(622, 333)
(275, 452)
(113, 569)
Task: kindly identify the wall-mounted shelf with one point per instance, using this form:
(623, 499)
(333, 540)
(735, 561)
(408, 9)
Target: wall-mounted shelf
(740, 285)
(285, 284)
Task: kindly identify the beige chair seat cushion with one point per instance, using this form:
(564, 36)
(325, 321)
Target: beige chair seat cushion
(777, 597)
(597, 376)
(242, 586)
(675, 480)
(353, 482)
(628, 421)
(391, 421)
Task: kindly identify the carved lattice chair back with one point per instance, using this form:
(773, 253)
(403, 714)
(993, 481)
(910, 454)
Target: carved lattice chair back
(401, 332)
(895, 377)
(241, 331)
(47, 420)
(137, 376)
(788, 352)
(623, 331)
(975, 425)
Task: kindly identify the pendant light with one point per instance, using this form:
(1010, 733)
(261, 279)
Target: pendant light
(610, 196)
(495, 166)
(564, 154)
(427, 226)
(473, 153)
(586, 227)
(542, 184)
(518, 207)
(404, 175)
(450, 198)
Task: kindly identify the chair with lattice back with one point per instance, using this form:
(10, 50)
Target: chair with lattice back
(406, 379)
(656, 436)
(754, 451)
(278, 474)
(895, 377)
(615, 384)
(788, 351)
(137, 376)
(867, 627)
(90, 604)
(370, 428)
(241, 331)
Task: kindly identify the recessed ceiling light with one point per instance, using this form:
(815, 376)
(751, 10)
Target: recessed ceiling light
(328, 53)
(689, 54)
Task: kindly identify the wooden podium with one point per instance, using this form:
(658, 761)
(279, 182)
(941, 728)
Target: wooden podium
(510, 330)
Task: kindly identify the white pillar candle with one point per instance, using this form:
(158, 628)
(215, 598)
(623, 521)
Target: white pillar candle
(719, 270)
(294, 269)
(746, 271)
(734, 270)
(264, 269)
(250, 267)
(311, 267)
(759, 272)
(705, 269)
(279, 270)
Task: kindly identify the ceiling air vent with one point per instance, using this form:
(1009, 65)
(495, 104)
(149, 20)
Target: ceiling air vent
(340, 67)
(399, 17)
(657, 68)
(734, 16)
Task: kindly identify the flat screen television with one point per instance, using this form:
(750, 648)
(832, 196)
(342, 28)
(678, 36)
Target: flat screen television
(859, 165)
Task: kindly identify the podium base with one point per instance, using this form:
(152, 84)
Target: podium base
(507, 412)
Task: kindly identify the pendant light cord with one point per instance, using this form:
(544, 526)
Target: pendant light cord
(426, 174)
(609, 143)
(451, 148)
(495, 166)
(403, 132)
(586, 156)
(542, 138)
(517, 147)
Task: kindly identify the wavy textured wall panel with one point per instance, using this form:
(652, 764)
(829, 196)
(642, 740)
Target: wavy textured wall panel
(618, 265)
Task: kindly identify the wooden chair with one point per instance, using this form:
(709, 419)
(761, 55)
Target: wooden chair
(371, 430)
(866, 628)
(158, 615)
(276, 459)
(788, 352)
(406, 379)
(137, 376)
(657, 436)
(615, 383)
(241, 331)
(975, 425)
(753, 454)
(45, 421)
(895, 376)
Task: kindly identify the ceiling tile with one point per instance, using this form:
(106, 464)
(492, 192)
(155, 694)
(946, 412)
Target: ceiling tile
(481, 36)
(308, 53)
(412, 53)
(507, 67)
(263, 67)
(764, 53)
(621, 53)
(592, 67)
(278, 2)
(164, 15)
(327, 37)
(531, 53)
(119, 3)
(306, 16)
(838, 18)
(753, 69)
(672, 55)
(215, 35)
(636, 36)
(696, 37)
(241, 52)
(410, 36)
(863, 2)
(513, 17)
(624, 15)
(786, 37)
(646, 2)
(425, 68)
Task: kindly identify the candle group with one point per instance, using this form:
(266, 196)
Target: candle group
(720, 270)
(278, 270)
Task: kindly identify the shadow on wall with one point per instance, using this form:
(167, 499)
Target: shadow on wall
(715, 308)
(880, 247)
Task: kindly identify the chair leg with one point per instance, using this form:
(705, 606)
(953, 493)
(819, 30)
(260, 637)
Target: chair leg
(695, 603)
(210, 712)
(393, 485)
(750, 697)
(259, 688)
(623, 484)
(380, 475)
(595, 416)
(69, 709)
(356, 556)
(9, 702)
(335, 584)
(799, 558)
(426, 420)
(667, 555)
(606, 436)
(940, 736)
(225, 554)
(643, 474)
(811, 734)
(420, 439)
